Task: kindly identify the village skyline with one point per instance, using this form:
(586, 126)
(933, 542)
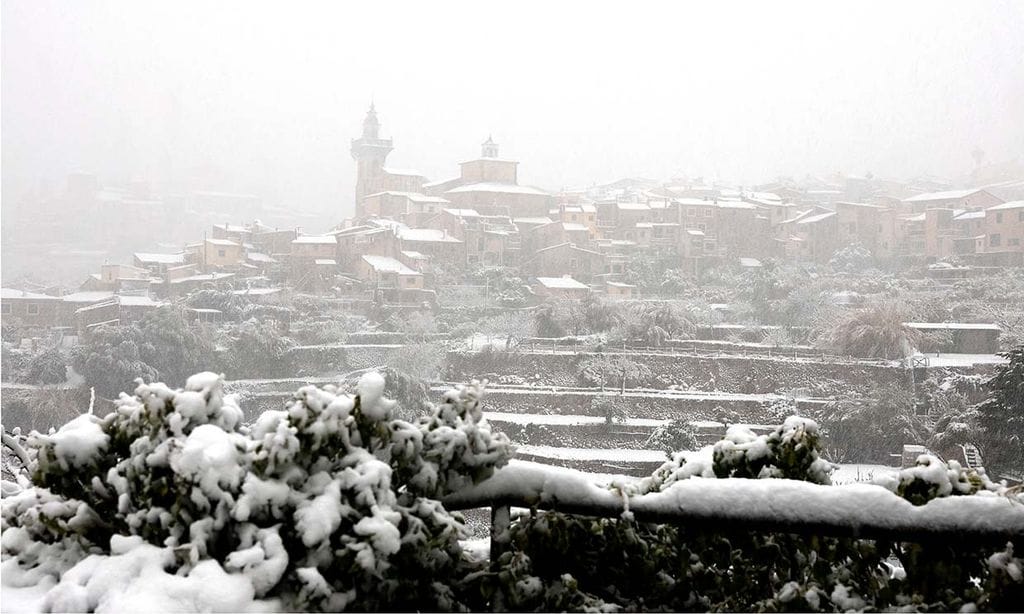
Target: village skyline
(655, 93)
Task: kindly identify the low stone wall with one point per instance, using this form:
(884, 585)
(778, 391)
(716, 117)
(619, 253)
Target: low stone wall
(328, 359)
(735, 374)
(639, 406)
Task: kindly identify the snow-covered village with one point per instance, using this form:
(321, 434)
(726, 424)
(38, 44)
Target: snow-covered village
(460, 307)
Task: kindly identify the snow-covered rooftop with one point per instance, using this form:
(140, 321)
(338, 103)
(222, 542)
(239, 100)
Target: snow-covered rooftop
(501, 188)
(316, 240)
(462, 212)
(562, 283)
(326, 262)
(222, 242)
(87, 297)
(138, 301)
(384, 264)
(417, 197)
(539, 221)
(11, 293)
(694, 202)
(970, 215)
(258, 257)
(569, 245)
(811, 219)
(1013, 204)
(426, 235)
(865, 205)
(947, 195)
(151, 258)
(203, 277)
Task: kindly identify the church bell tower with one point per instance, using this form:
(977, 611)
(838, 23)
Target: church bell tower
(369, 151)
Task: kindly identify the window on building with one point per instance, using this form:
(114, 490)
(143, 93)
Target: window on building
(480, 244)
(999, 217)
(994, 240)
(702, 227)
(32, 309)
(409, 281)
(1020, 216)
(6, 309)
(221, 253)
(707, 212)
(573, 264)
(1014, 241)
(691, 212)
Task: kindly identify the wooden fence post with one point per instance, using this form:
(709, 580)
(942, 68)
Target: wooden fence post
(500, 520)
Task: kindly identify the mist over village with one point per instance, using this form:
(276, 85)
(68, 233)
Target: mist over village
(416, 307)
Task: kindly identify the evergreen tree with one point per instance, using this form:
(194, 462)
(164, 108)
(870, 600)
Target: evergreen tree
(1002, 417)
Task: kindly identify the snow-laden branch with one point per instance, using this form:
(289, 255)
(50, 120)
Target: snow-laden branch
(734, 504)
(11, 442)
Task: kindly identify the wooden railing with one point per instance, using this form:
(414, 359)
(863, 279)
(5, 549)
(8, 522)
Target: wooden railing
(734, 505)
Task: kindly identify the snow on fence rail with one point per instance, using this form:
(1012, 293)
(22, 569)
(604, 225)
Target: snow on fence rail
(746, 505)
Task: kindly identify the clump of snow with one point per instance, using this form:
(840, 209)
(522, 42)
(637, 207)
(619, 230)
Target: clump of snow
(371, 396)
(846, 600)
(211, 456)
(1006, 563)
(77, 443)
(133, 577)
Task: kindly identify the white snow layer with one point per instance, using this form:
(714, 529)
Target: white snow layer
(778, 502)
(132, 579)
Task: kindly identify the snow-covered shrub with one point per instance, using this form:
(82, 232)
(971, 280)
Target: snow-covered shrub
(677, 434)
(561, 561)
(930, 477)
(327, 504)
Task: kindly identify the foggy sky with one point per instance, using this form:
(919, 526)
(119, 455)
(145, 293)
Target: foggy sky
(264, 97)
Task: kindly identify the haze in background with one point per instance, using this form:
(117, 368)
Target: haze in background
(264, 97)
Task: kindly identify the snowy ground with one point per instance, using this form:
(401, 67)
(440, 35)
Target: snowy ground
(18, 600)
(963, 360)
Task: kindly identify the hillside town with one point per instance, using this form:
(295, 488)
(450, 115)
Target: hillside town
(411, 236)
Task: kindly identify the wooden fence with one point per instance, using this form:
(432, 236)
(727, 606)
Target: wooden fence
(734, 505)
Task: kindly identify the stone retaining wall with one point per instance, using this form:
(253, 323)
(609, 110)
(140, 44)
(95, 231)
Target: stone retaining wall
(736, 374)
